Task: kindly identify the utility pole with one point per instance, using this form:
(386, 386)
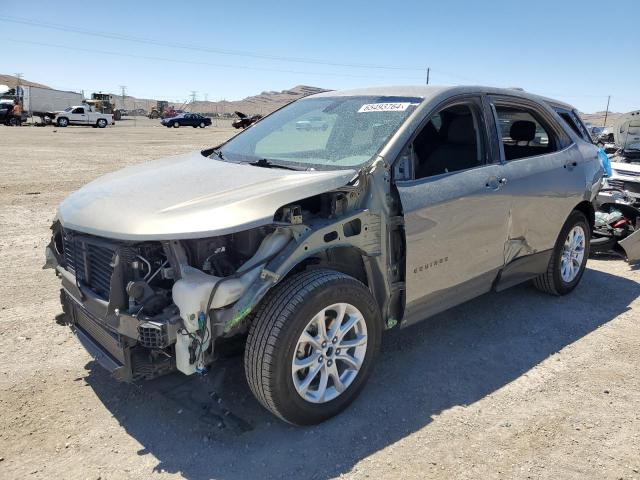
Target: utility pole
(606, 113)
(19, 77)
(206, 97)
(123, 90)
(428, 72)
(193, 96)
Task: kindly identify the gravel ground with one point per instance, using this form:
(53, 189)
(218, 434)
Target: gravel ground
(510, 385)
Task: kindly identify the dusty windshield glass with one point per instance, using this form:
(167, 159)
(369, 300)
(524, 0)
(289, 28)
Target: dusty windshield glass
(326, 132)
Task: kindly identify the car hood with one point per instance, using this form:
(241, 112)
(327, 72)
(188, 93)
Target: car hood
(189, 196)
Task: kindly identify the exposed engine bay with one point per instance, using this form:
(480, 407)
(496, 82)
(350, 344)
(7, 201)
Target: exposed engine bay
(157, 306)
(137, 291)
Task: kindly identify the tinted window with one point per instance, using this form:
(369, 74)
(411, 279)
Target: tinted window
(451, 141)
(78, 110)
(523, 134)
(574, 123)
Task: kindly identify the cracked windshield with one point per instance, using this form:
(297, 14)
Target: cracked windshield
(322, 133)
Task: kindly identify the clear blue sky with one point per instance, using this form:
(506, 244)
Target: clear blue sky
(569, 50)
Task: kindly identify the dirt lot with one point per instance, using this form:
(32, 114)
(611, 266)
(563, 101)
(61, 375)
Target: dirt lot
(510, 385)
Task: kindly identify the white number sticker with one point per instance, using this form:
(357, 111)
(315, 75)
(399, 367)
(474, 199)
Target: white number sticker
(384, 107)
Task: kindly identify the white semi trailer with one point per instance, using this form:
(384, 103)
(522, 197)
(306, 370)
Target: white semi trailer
(42, 102)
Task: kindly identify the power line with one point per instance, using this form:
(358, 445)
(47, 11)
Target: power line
(240, 53)
(606, 114)
(123, 90)
(192, 62)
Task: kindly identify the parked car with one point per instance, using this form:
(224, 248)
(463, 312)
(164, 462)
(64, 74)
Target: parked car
(625, 177)
(419, 199)
(6, 112)
(244, 121)
(82, 115)
(194, 120)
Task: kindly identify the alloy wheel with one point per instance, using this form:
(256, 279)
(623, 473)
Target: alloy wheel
(329, 353)
(572, 254)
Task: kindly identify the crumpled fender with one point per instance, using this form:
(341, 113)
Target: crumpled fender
(308, 242)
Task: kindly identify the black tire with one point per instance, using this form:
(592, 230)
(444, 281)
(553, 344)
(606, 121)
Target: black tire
(101, 123)
(551, 281)
(276, 328)
(63, 122)
(202, 125)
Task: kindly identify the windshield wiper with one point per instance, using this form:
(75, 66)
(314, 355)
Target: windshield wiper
(265, 163)
(218, 154)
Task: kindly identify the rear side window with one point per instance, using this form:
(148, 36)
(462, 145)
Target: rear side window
(574, 123)
(523, 134)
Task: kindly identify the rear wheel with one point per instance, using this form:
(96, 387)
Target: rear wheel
(101, 123)
(569, 257)
(311, 346)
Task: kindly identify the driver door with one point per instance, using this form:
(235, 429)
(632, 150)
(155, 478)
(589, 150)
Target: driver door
(455, 215)
(79, 116)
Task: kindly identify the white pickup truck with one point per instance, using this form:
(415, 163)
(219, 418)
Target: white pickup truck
(82, 115)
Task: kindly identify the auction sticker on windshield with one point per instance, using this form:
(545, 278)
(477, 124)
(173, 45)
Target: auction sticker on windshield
(384, 107)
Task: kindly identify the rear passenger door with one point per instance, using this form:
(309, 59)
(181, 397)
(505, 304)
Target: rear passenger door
(543, 181)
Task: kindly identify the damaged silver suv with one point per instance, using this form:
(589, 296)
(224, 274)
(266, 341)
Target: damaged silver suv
(308, 243)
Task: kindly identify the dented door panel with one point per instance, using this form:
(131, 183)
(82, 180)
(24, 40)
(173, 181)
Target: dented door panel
(542, 190)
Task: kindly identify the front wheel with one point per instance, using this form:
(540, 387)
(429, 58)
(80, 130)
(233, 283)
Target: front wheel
(569, 257)
(63, 122)
(176, 125)
(312, 345)
(202, 125)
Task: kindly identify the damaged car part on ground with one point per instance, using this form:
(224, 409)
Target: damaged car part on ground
(617, 226)
(312, 241)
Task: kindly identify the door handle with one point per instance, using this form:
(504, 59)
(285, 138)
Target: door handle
(570, 164)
